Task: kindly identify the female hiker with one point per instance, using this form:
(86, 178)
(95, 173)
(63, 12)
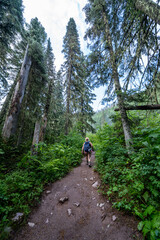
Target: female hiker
(87, 149)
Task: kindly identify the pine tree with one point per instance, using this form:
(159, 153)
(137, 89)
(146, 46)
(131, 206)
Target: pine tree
(122, 38)
(84, 96)
(56, 119)
(10, 124)
(50, 87)
(34, 100)
(106, 62)
(71, 50)
(78, 88)
(26, 105)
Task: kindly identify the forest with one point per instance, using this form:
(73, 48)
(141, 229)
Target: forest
(45, 115)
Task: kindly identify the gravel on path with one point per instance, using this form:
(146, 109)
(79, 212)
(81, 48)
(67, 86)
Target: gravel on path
(73, 209)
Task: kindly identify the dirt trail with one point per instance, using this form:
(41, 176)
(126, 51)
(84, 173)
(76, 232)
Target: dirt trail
(93, 219)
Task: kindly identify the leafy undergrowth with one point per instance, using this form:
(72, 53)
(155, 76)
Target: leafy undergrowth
(132, 181)
(20, 189)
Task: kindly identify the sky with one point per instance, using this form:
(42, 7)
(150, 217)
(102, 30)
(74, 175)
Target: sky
(54, 16)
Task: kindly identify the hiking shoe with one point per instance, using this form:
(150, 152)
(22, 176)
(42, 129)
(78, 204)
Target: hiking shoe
(90, 165)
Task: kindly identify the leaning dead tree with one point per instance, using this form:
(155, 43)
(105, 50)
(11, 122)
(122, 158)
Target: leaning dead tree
(142, 107)
(10, 124)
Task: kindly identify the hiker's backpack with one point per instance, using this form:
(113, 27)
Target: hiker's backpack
(87, 146)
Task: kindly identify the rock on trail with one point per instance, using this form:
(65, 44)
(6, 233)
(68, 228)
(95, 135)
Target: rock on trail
(72, 209)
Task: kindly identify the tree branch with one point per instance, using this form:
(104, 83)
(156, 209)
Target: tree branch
(148, 7)
(142, 107)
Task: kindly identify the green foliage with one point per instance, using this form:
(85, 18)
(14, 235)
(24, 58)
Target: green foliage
(35, 93)
(77, 86)
(73, 139)
(20, 188)
(132, 181)
(17, 189)
(56, 110)
(150, 224)
(103, 116)
(37, 31)
(11, 154)
(71, 51)
(52, 161)
(11, 24)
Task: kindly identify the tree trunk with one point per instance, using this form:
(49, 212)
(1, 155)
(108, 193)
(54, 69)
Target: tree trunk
(10, 124)
(118, 90)
(148, 7)
(46, 111)
(35, 138)
(6, 103)
(67, 112)
(142, 107)
(82, 118)
(68, 102)
(43, 129)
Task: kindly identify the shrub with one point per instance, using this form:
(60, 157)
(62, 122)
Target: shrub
(20, 188)
(132, 181)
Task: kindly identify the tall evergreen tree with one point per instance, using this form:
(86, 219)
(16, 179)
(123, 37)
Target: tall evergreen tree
(34, 99)
(30, 83)
(10, 124)
(78, 89)
(56, 119)
(84, 96)
(97, 14)
(122, 39)
(50, 86)
(71, 50)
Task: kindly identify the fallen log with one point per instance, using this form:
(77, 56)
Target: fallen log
(142, 107)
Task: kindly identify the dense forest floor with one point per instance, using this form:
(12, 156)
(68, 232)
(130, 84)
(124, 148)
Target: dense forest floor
(84, 214)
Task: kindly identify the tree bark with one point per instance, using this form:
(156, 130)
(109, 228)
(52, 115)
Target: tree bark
(118, 90)
(82, 117)
(10, 124)
(148, 7)
(68, 101)
(46, 111)
(142, 107)
(43, 128)
(6, 103)
(35, 138)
